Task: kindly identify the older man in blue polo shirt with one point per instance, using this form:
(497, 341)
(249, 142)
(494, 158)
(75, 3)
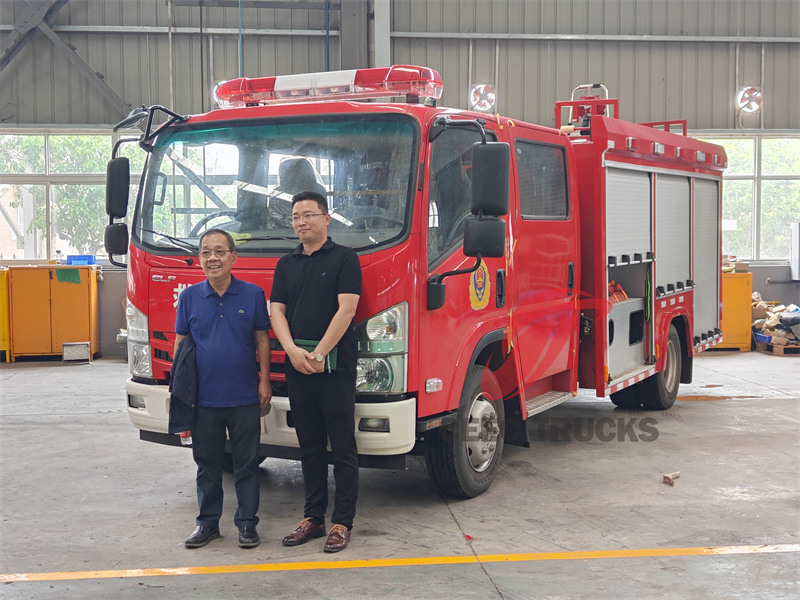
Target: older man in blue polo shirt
(228, 320)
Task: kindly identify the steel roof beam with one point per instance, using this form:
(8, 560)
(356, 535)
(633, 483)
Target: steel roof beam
(29, 17)
(94, 78)
(258, 4)
(34, 18)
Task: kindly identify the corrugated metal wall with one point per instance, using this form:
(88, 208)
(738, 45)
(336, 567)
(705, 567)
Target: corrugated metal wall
(535, 51)
(514, 46)
(41, 85)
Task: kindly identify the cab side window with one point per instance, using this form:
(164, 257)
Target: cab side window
(450, 190)
(542, 180)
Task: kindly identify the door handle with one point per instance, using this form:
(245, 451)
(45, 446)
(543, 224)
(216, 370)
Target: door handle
(162, 278)
(571, 279)
(500, 299)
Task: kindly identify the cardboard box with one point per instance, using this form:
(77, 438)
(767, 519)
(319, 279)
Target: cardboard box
(760, 310)
(741, 267)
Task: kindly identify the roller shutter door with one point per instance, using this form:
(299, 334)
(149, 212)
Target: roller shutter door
(628, 213)
(706, 257)
(673, 232)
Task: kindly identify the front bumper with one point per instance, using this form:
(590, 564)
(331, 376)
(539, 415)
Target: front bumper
(153, 416)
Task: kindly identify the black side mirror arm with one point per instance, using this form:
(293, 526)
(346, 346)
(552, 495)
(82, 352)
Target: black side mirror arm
(436, 288)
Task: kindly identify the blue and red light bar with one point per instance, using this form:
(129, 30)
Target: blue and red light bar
(356, 84)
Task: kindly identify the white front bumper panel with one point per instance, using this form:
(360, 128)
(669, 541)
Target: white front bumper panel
(275, 429)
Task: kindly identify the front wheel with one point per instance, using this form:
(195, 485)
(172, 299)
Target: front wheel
(462, 459)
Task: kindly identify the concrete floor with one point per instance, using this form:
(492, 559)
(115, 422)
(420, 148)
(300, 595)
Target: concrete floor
(81, 493)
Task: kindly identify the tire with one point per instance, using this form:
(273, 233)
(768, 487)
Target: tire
(662, 388)
(626, 398)
(463, 459)
(659, 391)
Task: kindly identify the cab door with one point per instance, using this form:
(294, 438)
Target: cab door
(543, 267)
(472, 299)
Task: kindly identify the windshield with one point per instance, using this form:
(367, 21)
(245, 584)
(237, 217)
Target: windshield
(241, 178)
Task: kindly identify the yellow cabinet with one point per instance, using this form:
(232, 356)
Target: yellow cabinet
(737, 290)
(50, 306)
(4, 326)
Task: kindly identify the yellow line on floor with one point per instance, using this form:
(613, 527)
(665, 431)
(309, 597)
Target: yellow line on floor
(400, 562)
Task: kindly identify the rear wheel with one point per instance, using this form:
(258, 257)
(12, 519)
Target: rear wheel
(659, 391)
(626, 398)
(662, 388)
(462, 459)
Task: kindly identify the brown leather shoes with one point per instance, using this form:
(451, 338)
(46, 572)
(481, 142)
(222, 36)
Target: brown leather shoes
(305, 531)
(338, 538)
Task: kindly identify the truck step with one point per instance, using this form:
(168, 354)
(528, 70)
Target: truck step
(547, 400)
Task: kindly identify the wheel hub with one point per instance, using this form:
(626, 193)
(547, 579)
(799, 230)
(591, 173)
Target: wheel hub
(482, 432)
(671, 369)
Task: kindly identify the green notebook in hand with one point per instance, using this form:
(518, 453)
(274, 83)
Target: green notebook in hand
(330, 358)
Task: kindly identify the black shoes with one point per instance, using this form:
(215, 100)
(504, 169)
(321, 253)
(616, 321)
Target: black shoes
(202, 535)
(248, 538)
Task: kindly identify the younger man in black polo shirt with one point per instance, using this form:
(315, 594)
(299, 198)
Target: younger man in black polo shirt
(314, 297)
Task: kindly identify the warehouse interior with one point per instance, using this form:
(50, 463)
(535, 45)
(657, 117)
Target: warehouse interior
(90, 510)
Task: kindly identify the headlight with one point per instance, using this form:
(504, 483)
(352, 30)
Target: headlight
(138, 342)
(373, 375)
(385, 332)
(386, 325)
(381, 375)
(137, 324)
(139, 359)
(382, 352)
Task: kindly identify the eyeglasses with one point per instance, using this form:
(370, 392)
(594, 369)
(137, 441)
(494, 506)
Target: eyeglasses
(305, 217)
(219, 253)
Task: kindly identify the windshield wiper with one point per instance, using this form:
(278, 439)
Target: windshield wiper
(176, 242)
(264, 238)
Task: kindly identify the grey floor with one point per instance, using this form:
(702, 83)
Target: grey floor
(79, 492)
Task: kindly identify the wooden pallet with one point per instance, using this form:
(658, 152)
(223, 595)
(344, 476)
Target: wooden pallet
(778, 350)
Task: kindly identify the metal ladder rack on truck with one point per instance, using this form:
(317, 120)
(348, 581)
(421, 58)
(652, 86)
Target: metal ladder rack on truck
(487, 248)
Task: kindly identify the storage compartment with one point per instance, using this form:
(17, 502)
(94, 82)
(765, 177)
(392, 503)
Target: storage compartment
(706, 253)
(628, 216)
(626, 327)
(673, 233)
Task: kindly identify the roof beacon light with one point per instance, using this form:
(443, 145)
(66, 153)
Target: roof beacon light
(358, 84)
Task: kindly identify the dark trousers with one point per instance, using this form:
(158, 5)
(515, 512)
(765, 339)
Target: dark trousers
(323, 407)
(208, 446)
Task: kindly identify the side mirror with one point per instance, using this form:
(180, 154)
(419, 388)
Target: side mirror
(118, 180)
(486, 238)
(491, 166)
(437, 292)
(136, 116)
(116, 239)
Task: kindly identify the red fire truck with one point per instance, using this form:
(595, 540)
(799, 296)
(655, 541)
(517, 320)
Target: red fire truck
(504, 263)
